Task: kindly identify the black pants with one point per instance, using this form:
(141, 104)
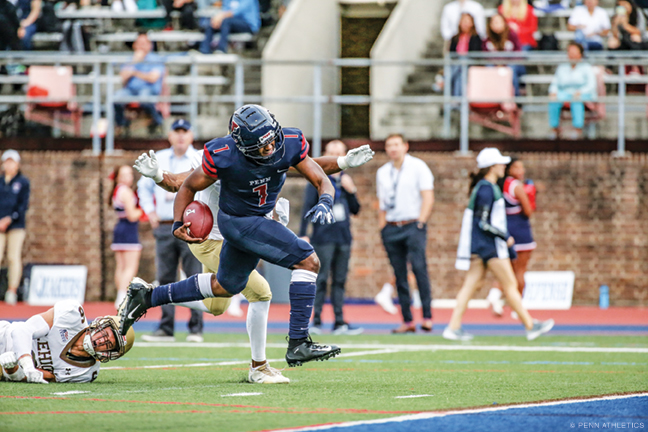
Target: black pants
(169, 253)
(403, 244)
(334, 260)
(187, 20)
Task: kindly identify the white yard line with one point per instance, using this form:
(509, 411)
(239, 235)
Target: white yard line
(422, 416)
(72, 392)
(417, 347)
(412, 396)
(241, 394)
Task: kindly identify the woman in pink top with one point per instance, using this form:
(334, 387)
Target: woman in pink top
(464, 41)
(502, 39)
(522, 20)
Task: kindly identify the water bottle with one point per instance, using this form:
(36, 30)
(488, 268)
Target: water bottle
(604, 297)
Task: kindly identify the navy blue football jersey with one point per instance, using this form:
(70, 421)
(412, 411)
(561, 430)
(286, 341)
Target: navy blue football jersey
(249, 189)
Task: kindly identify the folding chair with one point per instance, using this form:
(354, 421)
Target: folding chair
(53, 82)
(494, 83)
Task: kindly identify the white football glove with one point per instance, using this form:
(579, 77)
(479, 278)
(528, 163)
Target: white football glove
(147, 165)
(8, 360)
(33, 375)
(356, 157)
(282, 208)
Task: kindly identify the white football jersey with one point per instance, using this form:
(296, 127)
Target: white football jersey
(209, 196)
(51, 352)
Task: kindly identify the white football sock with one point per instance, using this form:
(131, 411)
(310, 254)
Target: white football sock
(204, 284)
(257, 328)
(196, 305)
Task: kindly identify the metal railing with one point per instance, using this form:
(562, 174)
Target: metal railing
(103, 76)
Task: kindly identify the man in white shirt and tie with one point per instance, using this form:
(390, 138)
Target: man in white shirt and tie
(170, 251)
(405, 188)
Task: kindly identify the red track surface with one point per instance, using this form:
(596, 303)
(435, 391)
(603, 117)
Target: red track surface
(582, 315)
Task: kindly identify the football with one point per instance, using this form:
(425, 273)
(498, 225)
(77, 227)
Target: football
(201, 218)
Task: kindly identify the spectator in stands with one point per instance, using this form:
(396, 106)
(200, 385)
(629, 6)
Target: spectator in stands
(521, 18)
(9, 25)
(14, 201)
(501, 38)
(627, 28)
(464, 41)
(573, 83)
(186, 9)
(28, 12)
(141, 77)
(451, 18)
(74, 35)
(332, 244)
(405, 188)
(591, 24)
(236, 17)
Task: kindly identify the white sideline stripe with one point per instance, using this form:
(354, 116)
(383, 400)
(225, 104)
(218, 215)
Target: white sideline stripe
(241, 394)
(70, 392)
(412, 396)
(238, 362)
(423, 416)
(446, 347)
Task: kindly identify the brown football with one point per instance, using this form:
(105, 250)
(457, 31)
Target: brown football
(201, 218)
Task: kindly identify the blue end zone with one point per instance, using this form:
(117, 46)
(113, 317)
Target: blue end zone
(628, 413)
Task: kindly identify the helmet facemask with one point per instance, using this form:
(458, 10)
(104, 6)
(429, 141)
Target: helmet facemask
(103, 340)
(248, 139)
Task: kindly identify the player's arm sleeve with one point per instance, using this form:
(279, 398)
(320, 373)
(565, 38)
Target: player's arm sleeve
(22, 334)
(310, 200)
(209, 164)
(303, 151)
(145, 187)
(22, 203)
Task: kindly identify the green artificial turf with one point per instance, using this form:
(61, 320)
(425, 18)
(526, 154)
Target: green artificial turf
(363, 387)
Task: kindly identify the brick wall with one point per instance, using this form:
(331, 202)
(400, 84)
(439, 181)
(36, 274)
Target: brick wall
(591, 219)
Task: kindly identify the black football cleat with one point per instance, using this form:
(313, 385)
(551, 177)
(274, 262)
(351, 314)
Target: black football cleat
(134, 306)
(309, 351)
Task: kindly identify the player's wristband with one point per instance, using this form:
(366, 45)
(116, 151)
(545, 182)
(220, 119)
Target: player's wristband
(342, 162)
(176, 225)
(159, 176)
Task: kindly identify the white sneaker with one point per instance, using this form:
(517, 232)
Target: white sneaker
(10, 298)
(456, 335)
(315, 329)
(195, 337)
(384, 299)
(495, 301)
(234, 308)
(266, 374)
(539, 327)
(346, 329)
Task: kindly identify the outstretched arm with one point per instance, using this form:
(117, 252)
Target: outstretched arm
(354, 158)
(148, 166)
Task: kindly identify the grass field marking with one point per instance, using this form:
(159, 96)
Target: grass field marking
(242, 394)
(412, 396)
(71, 392)
(415, 347)
(429, 415)
(239, 362)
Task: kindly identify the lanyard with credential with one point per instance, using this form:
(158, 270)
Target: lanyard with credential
(392, 203)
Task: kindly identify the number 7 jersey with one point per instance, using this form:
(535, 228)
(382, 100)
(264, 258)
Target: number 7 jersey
(247, 188)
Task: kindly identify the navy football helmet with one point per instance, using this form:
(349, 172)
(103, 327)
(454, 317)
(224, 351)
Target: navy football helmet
(254, 127)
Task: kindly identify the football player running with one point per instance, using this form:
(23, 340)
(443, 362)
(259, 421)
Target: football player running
(66, 348)
(257, 290)
(251, 163)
